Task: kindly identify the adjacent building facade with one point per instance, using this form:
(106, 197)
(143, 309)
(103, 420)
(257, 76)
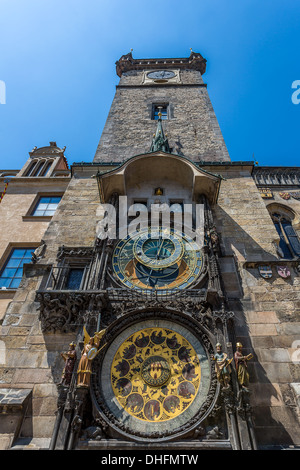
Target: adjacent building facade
(125, 325)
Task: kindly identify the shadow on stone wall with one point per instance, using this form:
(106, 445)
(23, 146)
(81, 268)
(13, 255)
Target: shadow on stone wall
(272, 420)
(272, 399)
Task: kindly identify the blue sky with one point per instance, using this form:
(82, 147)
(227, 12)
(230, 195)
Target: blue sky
(58, 65)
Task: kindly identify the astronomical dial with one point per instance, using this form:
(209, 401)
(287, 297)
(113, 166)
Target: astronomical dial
(157, 252)
(155, 376)
(157, 259)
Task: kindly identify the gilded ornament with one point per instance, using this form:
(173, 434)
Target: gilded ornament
(89, 352)
(284, 195)
(241, 366)
(266, 193)
(155, 374)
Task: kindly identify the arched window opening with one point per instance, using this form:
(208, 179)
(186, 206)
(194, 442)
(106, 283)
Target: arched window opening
(31, 169)
(39, 169)
(289, 242)
(46, 168)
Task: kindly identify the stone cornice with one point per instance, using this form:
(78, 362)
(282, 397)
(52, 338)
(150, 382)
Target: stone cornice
(167, 85)
(194, 62)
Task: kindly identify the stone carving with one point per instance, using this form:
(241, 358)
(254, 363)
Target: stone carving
(214, 433)
(64, 251)
(64, 311)
(79, 402)
(243, 399)
(228, 400)
(214, 237)
(274, 176)
(93, 432)
(39, 252)
(199, 432)
(61, 311)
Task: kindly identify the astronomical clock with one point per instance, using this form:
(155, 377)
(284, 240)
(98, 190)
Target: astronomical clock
(150, 371)
(157, 260)
(154, 379)
(159, 378)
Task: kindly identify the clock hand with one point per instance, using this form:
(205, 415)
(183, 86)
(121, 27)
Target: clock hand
(159, 250)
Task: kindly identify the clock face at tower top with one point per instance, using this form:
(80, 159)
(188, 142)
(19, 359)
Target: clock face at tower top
(157, 260)
(161, 74)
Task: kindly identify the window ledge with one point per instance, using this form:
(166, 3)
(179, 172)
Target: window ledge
(8, 292)
(37, 218)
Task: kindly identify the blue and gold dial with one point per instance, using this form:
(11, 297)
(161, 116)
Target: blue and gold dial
(157, 260)
(155, 251)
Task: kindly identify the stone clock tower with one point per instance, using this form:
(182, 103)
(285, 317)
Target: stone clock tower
(155, 292)
(148, 306)
(159, 293)
(177, 86)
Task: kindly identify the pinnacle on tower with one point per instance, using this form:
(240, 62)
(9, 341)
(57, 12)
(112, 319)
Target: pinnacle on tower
(160, 141)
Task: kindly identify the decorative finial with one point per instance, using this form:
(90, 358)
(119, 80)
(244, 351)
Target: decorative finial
(158, 192)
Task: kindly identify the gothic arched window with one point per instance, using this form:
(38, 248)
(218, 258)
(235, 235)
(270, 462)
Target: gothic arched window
(289, 242)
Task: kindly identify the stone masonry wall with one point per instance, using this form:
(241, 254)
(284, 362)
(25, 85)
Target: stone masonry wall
(74, 223)
(30, 359)
(18, 227)
(267, 311)
(192, 127)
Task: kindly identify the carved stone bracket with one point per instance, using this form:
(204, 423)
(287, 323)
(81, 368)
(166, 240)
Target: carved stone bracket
(64, 311)
(198, 310)
(78, 252)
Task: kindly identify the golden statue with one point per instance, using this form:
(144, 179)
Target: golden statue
(241, 366)
(89, 352)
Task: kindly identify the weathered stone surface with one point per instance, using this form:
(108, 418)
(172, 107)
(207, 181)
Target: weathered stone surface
(38, 426)
(266, 394)
(6, 441)
(129, 128)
